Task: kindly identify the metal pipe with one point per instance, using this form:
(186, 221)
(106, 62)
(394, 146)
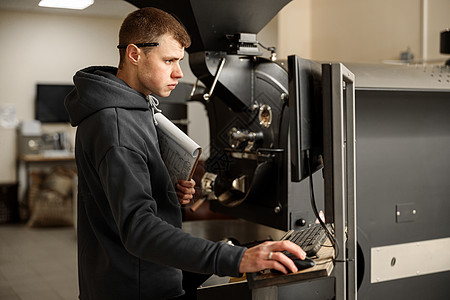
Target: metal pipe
(207, 96)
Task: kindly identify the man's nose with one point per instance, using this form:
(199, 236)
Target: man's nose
(177, 72)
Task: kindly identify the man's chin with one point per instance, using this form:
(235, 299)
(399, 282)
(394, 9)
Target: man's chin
(163, 94)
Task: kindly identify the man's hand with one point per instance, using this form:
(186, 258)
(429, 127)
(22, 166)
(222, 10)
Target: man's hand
(268, 256)
(185, 190)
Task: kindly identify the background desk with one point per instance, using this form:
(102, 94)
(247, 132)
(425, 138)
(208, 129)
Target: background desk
(36, 162)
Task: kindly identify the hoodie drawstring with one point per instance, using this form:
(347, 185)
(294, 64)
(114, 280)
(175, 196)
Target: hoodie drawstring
(153, 106)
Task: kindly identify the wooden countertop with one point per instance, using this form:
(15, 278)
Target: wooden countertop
(47, 158)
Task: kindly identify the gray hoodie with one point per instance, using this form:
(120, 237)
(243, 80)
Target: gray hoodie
(130, 245)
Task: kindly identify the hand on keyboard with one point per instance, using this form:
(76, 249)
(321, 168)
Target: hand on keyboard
(309, 239)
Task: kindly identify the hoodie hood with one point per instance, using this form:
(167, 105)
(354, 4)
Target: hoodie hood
(97, 88)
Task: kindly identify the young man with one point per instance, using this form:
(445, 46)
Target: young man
(130, 245)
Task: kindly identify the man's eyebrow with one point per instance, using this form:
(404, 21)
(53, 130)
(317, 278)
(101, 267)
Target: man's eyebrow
(173, 58)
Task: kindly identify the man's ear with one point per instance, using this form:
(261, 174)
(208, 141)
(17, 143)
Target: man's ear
(133, 54)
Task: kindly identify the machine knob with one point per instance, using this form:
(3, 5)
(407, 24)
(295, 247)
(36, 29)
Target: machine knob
(277, 209)
(300, 222)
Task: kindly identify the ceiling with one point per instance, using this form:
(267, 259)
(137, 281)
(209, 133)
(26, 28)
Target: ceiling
(105, 8)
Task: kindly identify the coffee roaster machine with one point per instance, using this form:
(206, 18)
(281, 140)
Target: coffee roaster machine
(248, 105)
(277, 124)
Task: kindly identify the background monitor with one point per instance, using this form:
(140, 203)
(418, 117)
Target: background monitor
(49, 106)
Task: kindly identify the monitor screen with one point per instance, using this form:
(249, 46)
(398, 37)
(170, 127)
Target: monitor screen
(305, 106)
(49, 106)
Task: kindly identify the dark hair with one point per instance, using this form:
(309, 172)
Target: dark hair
(147, 25)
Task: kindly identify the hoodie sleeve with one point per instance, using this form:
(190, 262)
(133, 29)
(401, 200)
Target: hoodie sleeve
(125, 177)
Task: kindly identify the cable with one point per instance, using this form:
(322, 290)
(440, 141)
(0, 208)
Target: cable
(273, 51)
(314, 207)
(266, 48)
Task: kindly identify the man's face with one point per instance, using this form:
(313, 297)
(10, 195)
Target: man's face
(159, 69)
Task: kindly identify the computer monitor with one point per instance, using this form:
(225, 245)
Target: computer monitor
(305, 107)
(49, 105)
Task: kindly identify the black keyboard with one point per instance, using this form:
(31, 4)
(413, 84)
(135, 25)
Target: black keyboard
(309, 239)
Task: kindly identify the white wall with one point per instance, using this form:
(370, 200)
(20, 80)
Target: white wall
(41, 48)
(361, 30)
(295, 29)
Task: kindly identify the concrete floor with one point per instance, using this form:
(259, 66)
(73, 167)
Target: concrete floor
(38, 264)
